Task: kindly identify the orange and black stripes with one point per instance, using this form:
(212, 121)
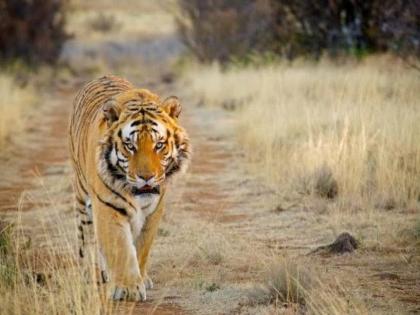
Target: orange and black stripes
(109, 122)
(86, 108)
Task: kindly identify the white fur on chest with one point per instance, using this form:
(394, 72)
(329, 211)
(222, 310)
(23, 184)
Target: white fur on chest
(146, 205)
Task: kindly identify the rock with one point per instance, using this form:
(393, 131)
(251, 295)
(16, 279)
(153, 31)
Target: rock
(387, 204)
(387, 276)
(344, 243)
(168, 78)
(279, 208)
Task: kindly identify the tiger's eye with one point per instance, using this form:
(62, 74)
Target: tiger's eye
(159, 145)
(130, 146)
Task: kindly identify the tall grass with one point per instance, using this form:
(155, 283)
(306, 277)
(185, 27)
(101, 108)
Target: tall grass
(15, 101)
(43, 280)
(360, 122)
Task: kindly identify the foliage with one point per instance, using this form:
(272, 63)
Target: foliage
(220, 29)
(356, 26)
(224, 30)
(32, 30)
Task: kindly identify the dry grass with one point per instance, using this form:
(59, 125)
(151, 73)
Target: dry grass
(15, 101)
(355, 125)
(42, 282)
(218, 270)
(293, 288)
(338, 144)
(40, 274)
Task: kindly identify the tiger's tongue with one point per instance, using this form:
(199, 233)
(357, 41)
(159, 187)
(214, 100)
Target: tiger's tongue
(145, 188)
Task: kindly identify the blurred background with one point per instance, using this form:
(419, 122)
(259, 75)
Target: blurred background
(305, 120)
(38, 32)
(72, 38)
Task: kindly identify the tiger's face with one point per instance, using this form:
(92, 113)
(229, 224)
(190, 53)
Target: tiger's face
(144, 143)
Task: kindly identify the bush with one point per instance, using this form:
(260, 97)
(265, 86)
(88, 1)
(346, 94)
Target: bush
(103, 23)
(285, 283)
(355, 26)
(222, 30)
(32, 30)
(400, 24)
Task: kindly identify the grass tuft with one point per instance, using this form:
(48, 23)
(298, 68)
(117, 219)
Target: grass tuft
(285, 284)
(325, 185)
(104, 23)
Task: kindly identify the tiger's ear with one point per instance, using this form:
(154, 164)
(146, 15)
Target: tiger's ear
(172, 106)
(111, 111)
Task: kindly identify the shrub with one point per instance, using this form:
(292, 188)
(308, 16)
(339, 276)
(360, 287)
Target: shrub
(32, 30)
(284, 283)
(221, 29)
(103, 23)
(311, 27)
(400, 23)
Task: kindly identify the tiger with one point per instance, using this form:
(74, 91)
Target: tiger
(125, 145)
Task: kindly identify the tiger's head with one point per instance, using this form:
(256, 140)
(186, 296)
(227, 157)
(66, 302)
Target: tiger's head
(144, 143)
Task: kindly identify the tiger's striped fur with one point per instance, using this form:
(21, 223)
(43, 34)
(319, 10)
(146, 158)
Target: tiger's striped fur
(124, 144)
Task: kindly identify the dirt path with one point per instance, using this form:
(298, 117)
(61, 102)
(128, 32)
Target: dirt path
(214, 212)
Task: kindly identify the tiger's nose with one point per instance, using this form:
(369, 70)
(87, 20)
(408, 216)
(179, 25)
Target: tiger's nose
(146, 178)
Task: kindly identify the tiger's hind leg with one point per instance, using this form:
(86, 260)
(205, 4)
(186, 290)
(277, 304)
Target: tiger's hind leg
(91, 257)
(86, 240)
(85, 228)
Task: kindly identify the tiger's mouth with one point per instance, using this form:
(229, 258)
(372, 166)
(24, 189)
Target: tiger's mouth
(146, 189)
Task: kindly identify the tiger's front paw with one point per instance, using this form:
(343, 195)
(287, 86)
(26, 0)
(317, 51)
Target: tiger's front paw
(129, 293)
